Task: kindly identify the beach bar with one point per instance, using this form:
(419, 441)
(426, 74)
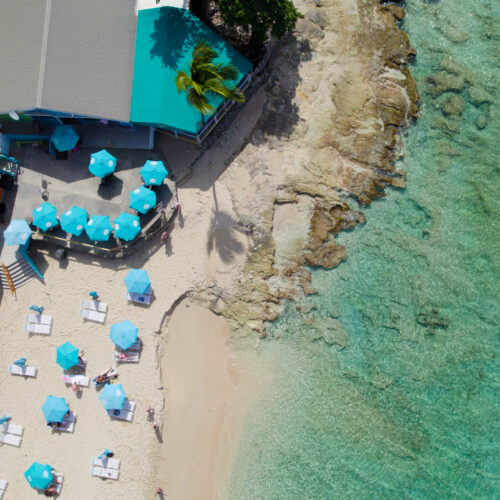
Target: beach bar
(98, 63)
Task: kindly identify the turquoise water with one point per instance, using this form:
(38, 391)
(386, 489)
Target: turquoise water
(407, 406)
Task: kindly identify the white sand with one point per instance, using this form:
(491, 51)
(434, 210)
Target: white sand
(206, 410)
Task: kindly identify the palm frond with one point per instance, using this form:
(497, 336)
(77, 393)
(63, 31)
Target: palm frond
(182, 81)
(199, 102)
(229, 72)
(203, 53)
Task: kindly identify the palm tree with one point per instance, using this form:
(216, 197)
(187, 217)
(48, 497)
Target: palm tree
(206, 77)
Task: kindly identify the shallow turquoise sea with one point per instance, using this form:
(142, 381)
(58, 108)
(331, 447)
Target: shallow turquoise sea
(407, 406)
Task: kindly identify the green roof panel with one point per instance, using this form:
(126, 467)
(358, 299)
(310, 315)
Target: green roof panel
(165, 41)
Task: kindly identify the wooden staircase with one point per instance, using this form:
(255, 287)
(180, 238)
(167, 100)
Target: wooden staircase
(16, 275)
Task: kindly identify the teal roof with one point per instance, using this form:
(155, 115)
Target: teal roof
(165, 41)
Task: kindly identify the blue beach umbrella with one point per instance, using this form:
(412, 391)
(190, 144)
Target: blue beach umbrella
(64, 137)
(17, 233)
(5, 418)
(127, 226)
(67, 355)
(123, 334)
(39, 475)
(142, 199)
(73, 220)
(102, 163)
(20, 362)
(137, 281)
(153, 173)
(45, 216)
(54, 409)
(99, 228)
(113, 397)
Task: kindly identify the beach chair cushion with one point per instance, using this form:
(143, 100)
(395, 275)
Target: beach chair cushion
(95, 305)
(25, 371)
(109, 463)
(81, 380)
(37, 328)
(126, 413)
(95, 316)
(10, 439)
(3, 486)
(131, 357)
(104, 472)
(138, 298)
(41, 319)
(7, 428)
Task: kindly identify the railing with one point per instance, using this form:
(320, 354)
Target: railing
(9, 279)
(214, 120)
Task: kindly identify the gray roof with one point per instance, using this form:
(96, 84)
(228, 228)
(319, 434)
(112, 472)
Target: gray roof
(71, 56)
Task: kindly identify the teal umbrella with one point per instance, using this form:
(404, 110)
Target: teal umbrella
(137, 281)
(113, 397)
(153, 173)
(17, 233)
(102, 163)
(64, 137)
(127, 226)
(45, 216)
(67, 355)
(73, 220)
(39, 475)
(124, 334)
(142, 199)
(98, 228)
(54, 409)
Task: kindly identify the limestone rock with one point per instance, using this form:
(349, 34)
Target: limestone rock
(444, 82)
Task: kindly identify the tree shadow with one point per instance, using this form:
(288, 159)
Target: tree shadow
(175, 31)
(222, 235)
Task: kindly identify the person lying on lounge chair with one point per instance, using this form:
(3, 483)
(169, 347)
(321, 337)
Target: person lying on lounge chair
(51, 491)
(121, 355)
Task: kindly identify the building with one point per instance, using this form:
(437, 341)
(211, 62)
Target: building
(72, 61)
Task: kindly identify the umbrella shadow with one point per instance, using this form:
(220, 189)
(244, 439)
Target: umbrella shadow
(110, 187)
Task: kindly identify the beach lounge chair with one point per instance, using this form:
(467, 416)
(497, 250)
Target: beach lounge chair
(111, 373)
(24, 371)
(126, 413)
(81, 380)
(40, 319)
(109, 463)
(138, 298)
(10, 439)
(104, 472)
(130, 357)
(95, 305)
(7, 428)
(3, 487)
(95, 316)
(37, 328)
(57, 481)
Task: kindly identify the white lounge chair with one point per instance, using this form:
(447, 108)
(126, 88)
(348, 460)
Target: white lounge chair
(24, 371)
(40, 319)
(3, 486)
(131, 357)
(126, 413)
(95, 305)
(37, 328)
(81, 380)
(10, 439)
(109, 463)
(138, 298)
(57, 481)
(67, 425)
(95, 316)
(104, 472)
(7, 428)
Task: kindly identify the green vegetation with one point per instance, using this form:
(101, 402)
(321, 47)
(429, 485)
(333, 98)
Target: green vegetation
(207, 77)
(260, 16)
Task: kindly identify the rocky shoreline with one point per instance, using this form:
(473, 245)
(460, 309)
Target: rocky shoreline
(336, 96)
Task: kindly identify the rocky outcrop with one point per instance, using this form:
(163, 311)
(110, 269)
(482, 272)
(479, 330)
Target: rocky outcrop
(337, 94)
